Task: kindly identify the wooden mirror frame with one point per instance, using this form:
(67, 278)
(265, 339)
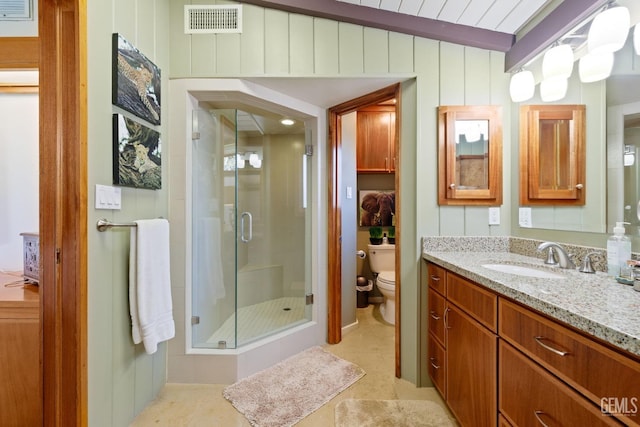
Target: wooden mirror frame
(448, 192)
(571, 160)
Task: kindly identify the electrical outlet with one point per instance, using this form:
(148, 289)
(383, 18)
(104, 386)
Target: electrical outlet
(494, 216)
(524, 217)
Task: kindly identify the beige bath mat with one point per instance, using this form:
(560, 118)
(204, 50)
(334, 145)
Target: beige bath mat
(289, 391)
(390, 413)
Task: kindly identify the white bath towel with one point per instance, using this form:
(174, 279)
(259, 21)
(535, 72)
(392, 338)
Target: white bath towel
(150, 284)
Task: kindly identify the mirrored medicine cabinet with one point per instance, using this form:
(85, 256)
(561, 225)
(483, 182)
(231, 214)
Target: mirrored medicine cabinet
(470, 155)
(552, 155)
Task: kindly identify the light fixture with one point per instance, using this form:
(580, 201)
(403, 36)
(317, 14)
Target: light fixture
(553, 89)
(609, 30)
(522, 86)
(558, 62)
(629, 155)
(254, 160)
(240, 161)
(287, 122)
(636, 38)
(595, 66)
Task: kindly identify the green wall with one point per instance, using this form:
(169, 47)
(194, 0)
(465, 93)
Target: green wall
(122, 378)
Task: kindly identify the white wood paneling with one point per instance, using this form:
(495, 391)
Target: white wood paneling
(376, 51)
(301, 46)
(325, 47)
(351, 47)
(252, 41)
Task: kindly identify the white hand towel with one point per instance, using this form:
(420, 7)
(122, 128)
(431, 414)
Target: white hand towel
(150, 284)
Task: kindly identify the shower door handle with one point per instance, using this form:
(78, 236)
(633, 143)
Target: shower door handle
(242, 236)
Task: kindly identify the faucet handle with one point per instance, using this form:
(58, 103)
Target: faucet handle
(551, 256)
(586, 263)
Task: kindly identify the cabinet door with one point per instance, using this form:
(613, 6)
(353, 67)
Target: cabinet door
(530, 396)
(471, 370)
(20, 397)
(375, 146)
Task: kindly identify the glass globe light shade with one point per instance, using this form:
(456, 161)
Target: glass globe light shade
(522, 86)
(558, 62)
(595, 66)
(636, 38)
(609, 30)
(553, 89)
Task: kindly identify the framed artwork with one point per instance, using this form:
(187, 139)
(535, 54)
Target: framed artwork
(136, 154)
(136, 81)
(377, 208)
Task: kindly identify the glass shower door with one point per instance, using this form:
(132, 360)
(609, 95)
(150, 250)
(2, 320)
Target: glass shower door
(250, 263)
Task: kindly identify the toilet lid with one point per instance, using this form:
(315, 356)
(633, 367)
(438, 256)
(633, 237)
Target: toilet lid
(387, 276)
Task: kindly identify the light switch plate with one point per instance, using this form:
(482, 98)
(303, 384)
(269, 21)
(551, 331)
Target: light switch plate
(108, 197)
(494, 216)
(524, 217)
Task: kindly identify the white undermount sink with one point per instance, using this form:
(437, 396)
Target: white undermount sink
(520, 270)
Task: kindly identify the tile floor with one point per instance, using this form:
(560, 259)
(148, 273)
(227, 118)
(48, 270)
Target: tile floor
(370, 345)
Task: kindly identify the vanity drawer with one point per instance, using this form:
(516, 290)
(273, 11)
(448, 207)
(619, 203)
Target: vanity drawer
(437, 306)
(593, 369)
(436, 277)
(530, 396)
(437, 362)
(479, 303)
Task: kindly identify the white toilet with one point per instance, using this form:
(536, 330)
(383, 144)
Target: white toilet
(382, 259)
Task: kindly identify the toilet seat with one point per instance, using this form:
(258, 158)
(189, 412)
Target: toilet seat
(386, 279)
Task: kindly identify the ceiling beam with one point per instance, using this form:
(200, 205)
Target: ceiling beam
(392, 21)
(561, 20)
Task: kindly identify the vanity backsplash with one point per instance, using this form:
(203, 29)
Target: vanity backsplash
(518, 245)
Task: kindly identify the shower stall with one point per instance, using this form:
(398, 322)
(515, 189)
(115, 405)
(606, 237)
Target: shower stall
(250, 264)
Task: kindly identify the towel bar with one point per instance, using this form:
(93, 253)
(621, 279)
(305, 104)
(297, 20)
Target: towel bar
(104, 224)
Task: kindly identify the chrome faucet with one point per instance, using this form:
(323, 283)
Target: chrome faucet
(564, 259)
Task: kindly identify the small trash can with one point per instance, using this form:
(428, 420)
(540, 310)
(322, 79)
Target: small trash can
(363, 287)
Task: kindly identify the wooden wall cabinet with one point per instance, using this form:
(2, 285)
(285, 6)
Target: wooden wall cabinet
(376, 139)
(552, 155)
(470, 155)
(20, 389)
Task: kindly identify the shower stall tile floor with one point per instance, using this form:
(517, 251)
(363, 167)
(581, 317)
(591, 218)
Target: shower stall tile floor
(370, 345)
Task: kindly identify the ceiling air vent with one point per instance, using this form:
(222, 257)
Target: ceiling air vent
(200, 19)
(16, 10)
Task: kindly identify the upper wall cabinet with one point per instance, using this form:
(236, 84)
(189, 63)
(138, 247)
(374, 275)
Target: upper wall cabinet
(552, 155)
(470, 155)
(376, 143)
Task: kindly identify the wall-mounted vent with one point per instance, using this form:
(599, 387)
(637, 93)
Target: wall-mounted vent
(200, 19)
(16, 10)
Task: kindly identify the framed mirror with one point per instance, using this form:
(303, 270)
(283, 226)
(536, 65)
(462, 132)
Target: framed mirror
(552, 155)
(470, 155)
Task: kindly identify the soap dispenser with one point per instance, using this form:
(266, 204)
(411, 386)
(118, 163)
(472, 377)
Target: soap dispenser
(618, 250)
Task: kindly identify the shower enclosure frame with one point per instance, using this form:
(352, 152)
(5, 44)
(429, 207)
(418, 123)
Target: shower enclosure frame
(189, 364)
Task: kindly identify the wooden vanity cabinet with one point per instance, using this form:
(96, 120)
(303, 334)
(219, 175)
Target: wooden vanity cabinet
(376, 139)
(547, 373)
(530, 396)
(591, 368)
(436, 340)
(20, 390)
(468, 356)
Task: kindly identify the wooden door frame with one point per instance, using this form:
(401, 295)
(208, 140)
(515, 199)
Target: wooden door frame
(334, 286)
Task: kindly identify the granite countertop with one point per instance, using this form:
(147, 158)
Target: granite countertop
(593, 303)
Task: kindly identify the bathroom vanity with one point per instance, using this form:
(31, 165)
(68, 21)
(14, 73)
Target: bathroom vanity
(20, 390)
(517, 350)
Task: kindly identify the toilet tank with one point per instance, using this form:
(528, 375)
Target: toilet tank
(382, 257)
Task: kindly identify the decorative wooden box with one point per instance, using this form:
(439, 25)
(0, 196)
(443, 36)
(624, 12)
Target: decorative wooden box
(31, 256)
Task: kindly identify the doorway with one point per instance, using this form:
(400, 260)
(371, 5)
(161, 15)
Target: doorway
(335, 208)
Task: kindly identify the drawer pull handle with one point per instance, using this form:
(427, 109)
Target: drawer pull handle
(446, 318)
(434, 315)
(435, 278)
(537, 414)
(548, 347)
(432, 360)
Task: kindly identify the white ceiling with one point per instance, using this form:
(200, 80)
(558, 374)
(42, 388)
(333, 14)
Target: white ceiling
(507, 16)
